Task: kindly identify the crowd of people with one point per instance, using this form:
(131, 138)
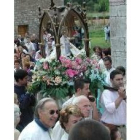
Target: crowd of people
(79, 118)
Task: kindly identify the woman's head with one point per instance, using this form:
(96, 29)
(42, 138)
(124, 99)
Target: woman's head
(70, 116)
(22, 55)
(26, 66)
(97, 50)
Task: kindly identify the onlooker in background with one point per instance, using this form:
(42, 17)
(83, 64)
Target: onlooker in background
(26, 100)
(97, 50)
(96, 54)
(46, 114)
(26, 67)
(34, 40)
(25, 37)
(108, 64)
(30, 47)
(68, 118)
(106, 52)
(107, 33)
(38, 55)
(17, 114)
(15, 56)
(89, 130)
(17, 65)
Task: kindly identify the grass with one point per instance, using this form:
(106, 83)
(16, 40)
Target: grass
(97, 38)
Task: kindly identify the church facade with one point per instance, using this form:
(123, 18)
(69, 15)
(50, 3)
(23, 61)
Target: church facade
(26, 15)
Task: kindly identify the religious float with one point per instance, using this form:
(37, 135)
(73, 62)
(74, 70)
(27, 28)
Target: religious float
(54, 74)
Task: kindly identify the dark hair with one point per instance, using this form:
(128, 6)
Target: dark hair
(31, 58)
(89, 130)
(21, 54)
(114, 73)
(106, 51)
(97, 47)
(108, 58)
(20, 74)
(122, 69)
(16, 61)
(79, 83)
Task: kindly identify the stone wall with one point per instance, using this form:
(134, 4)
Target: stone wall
(118, 32)
(26, 13)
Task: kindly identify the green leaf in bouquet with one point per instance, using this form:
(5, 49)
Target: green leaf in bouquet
(45, 94)
(43, 85)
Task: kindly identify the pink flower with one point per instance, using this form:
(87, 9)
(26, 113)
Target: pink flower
(78, 60)
(45, 66)
(61, 58)
(74, 64)
(71, 73)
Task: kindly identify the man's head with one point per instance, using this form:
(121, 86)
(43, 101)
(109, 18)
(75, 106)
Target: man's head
(122, 69)
(28, 39)
(82, 87)
(108, 62)
(47, 112)
(69, 116)
(21, 77)
(84, 104)
(89, 130)
(17, 64)
(116, 78)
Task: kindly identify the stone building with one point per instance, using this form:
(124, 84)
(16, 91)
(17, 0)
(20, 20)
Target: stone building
(26, 15)
(118, 32)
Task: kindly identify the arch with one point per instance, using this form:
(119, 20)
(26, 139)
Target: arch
(65, 16)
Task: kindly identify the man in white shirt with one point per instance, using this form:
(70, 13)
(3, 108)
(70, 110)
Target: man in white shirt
(108, 64)
(46, 114)
(81, 89)
(114, 104)
(30, 47)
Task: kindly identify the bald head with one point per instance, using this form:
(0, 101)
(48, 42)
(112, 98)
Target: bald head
(83, 103)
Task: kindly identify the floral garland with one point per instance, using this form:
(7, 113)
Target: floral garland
(55, 78)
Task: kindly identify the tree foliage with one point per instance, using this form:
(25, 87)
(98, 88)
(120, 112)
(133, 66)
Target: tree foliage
(93, 5)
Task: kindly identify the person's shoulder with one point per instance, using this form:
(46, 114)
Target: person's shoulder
(31, 130)
(31, 126)
(68, 102)
(16, 132)
(106, 91)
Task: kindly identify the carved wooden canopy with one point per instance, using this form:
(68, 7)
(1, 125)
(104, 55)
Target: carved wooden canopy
(62, 18)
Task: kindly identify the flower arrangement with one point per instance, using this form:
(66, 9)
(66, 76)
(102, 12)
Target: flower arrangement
(54, 78)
